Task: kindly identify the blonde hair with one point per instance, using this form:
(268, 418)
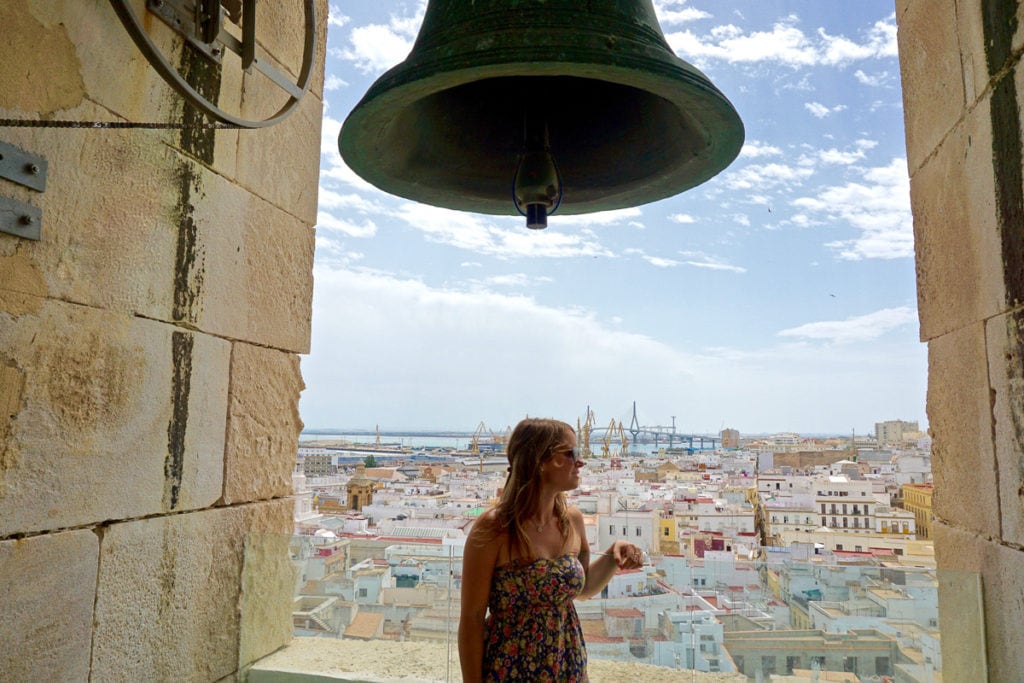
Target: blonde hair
(531, 445)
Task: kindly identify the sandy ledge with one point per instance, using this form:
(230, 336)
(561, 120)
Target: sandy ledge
(414, 662)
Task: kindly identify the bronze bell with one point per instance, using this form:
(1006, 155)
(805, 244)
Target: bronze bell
(529, 106)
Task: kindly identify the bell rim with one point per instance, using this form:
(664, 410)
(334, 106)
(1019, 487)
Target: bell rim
(413, 80)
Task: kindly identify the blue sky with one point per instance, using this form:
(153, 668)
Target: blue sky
(779, 296)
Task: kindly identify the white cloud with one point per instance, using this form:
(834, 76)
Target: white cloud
(862, 328)
(766, 176)
(599, 218)
(872, 80)
(375, 47)
(753, 150)
(520, 280)
(821, 111)
(333, 82)
(404, 351)
(447, 349)
(483, 234)
(671, 12)
(699, 259)
(878, 207)
(660, 262)
(331, 222)
(335, 17)
(682, 218)
(785, 44)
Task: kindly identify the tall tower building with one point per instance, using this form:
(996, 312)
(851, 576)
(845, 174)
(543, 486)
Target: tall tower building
(359, 489)
(893, 431)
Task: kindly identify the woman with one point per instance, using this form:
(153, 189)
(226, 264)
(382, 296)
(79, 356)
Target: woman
(526, 559)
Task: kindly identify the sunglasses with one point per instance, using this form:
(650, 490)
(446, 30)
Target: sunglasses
(576, 453)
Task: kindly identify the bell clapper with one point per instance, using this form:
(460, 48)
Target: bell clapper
(537, 187)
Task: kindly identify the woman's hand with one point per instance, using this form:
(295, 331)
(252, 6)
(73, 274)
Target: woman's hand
(627, 555)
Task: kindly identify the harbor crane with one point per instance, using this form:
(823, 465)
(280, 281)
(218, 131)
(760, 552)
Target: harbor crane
(584, 431)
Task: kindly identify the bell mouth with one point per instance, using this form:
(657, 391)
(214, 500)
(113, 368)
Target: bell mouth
(628, 121)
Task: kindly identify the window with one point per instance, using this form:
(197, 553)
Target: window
(882, 666)
(362, 593)
(666, 532)
(839, 546)
(792, 663)
(639, 532)
(817, 663)
(844, 508)
(850, 664)
(768, 664)
(611, 529)
(885, 526)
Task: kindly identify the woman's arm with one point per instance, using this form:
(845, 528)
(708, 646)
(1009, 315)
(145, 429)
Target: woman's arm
(478, 562)
(620, 555)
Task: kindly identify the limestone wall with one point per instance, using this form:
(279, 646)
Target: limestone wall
(149, 375)
(962, 82)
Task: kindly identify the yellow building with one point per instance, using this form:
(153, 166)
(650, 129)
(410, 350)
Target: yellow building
(668, 536)
(917, 498)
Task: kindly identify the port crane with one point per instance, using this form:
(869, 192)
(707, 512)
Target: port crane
(584, 431)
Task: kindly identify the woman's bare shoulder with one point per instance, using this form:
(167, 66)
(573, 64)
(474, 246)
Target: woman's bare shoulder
(486, 524)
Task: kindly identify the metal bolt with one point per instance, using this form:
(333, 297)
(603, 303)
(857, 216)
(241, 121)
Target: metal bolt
(26, 220)
(32, 168)
(215, 51)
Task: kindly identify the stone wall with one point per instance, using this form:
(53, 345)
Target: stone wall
(149, 375)
(962, 84)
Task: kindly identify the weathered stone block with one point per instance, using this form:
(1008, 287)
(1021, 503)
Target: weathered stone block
(268, 591)
(58, 33)
(1005, 335)
(972, 50)
(116, 417)
(962, 625)
(284, 43)
(955, 234)
(263, 423)
(168, 600)
(253, 267)
(1002, 583)
(960, 419)
(106, 238)
(282, 162)
(933, 90)
(47, 589)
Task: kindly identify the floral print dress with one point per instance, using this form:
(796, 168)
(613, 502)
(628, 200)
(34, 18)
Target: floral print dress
(532, 632)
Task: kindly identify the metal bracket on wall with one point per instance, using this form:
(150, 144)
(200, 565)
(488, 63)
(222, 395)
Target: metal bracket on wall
(29, 170)
(20, 219)
(201, 24)
(22, 167)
